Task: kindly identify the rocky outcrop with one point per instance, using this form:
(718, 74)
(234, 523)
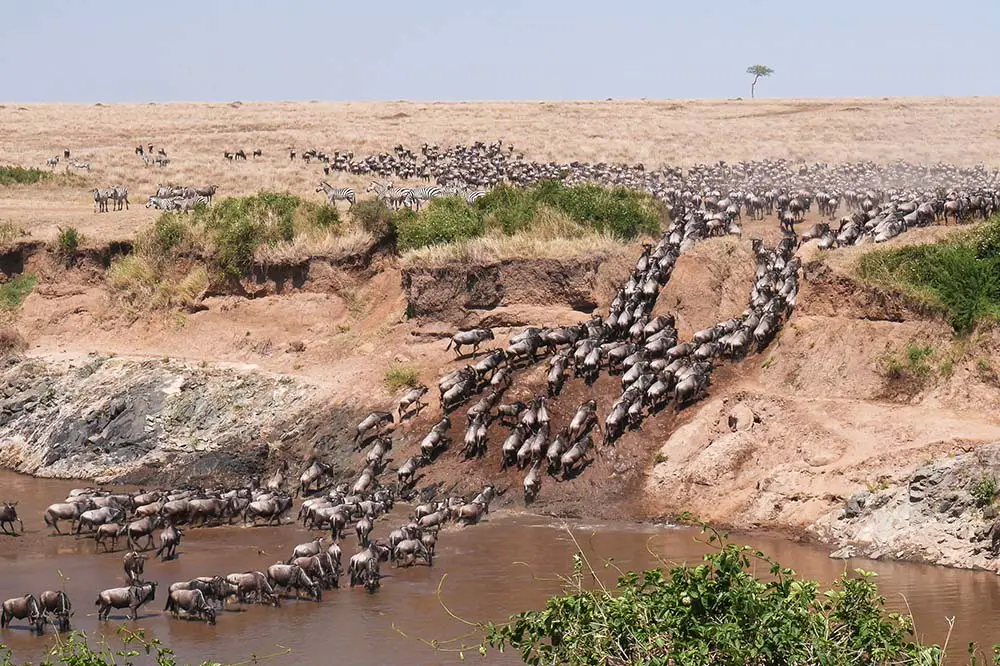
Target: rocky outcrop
(940, 514)
(160, 421)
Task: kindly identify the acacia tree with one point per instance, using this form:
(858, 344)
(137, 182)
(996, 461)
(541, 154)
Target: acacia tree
(758, 71)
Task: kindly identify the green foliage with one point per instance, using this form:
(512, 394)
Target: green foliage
(14, 291)
(237, 226)
(167, 234)
(443, 221)
(962, 276)
(578, 209)
(914, 363)
(984, 490)
(75, 649)
(374, 216)
(15, 175)
(719, 612)
(620, 212)
(759, 70)
(401, 376)
(67, 243)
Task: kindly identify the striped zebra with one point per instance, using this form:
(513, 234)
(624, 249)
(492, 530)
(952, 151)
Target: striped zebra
(334, 194)
(119, 195)
(101, 200)
(470, 196)
(425, 193)
(394, 197)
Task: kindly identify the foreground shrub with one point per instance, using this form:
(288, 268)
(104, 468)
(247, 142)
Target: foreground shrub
(958, 276)
(442, 221)
(15, 175)
(139, 283)
(719, 612)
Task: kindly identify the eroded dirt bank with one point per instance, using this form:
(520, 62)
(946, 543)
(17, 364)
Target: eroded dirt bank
(812, 437)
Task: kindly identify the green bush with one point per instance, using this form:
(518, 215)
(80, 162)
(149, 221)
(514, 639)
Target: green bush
(167, 234)
(374, 216)
(237, 226)
(443, 221)
(15, 175)
(68, 243)
(984, 490)
(962, 276)
(723, 612)
(14, 291)
(508, 208)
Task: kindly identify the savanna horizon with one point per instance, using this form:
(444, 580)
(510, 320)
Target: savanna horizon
(963, 131)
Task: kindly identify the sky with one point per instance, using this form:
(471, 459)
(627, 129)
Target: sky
(254, 50)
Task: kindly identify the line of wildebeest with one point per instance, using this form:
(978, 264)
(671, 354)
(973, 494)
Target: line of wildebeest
(312, 567)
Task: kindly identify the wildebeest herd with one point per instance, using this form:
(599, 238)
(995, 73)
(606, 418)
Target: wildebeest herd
(313, 566)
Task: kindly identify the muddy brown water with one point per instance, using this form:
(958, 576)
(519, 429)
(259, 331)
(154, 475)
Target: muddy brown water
(499, 567)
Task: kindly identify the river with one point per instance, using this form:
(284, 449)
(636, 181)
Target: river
(506, 564)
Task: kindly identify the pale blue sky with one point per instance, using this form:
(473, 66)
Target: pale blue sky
(224, 50)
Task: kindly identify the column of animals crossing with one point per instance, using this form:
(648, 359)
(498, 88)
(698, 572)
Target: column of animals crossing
(312, 567)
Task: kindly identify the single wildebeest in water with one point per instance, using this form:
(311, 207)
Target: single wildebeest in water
(131, 597)
(57, 604)
(23, 608)
(8, 515)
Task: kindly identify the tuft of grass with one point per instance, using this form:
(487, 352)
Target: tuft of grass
(67, 244)
(375, 218)
(14, 291)
(15, 175)
(401, 376)
(10, 232)
(138, 283)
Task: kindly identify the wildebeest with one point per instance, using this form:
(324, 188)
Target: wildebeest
(272, 509)
(475, 337)
(289, 576)
(373, 421)
(8, 514)
(131, 597)
(412, 399)
(170, 538)
(23, 608)
(252, 586)
(316, 471)
(57, 604)
(108, 531)
(192, 603)
(66, 511)
(134, 563)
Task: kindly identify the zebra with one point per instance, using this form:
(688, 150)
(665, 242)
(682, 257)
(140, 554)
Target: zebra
(52, 162)
(76, 164)
(470, 196)
(119, 195)
(101, 199)
(333, 194)
(425, 193)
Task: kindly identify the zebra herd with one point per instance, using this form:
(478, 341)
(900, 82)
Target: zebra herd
(396, 197)
(183, 199)
(117, 195)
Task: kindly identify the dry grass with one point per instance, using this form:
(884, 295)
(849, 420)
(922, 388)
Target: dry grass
(140, 284)
(498, 247)
(11, 342)
(315, 243)
(959, 130)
